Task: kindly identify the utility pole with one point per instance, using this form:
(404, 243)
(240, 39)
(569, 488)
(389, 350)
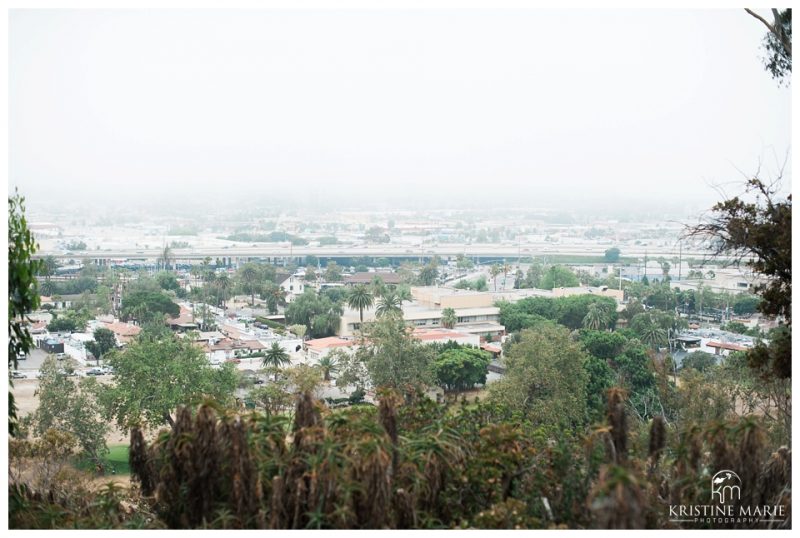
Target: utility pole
(680, 258)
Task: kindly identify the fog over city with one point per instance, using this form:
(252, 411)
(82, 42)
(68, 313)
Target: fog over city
(585, 111)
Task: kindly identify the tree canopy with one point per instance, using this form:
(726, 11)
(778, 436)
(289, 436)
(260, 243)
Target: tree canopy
(392, 357)
(156, 374)
(461, 369)
(23, 295)
(145, 305)
(545, 378)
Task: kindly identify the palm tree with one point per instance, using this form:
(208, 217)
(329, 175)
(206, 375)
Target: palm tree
(596, 318)
(653, 336)
(248, 276)
(329, 365)
(495, 270)
(275, 296)
(165, 257)
(360, 298)
(505, 268)
(403, 294)
(388, 303)
(275, 357)
(378, 287)
(449, 318)
(224, 285)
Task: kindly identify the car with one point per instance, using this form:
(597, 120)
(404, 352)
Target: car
(95, 371)
(18, 375)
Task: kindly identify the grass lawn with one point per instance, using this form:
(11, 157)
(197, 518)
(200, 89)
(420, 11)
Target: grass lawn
(116, 459)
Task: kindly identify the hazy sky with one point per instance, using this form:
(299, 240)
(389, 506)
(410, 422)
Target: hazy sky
(528, 106)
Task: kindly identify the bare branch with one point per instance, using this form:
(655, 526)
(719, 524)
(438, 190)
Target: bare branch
(762, 19)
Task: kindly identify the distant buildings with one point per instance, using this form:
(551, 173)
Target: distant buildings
(475, 312)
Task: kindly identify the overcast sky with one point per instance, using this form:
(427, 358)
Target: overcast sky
(523, 105)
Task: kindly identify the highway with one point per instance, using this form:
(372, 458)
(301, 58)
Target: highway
(379, 251)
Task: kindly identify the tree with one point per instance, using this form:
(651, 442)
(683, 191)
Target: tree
(68, 321)
(224, 285)
(403, 293)
(378, 286)
(298, 330)
(328, 365)
(70, 407)
(360, 298)
(148, 305)
(274, 295)
(601, 378)
(545, 378)
(333, 273)
(165, 258)
(746, 304)
(449, 318)
(155, 374)
(464, 263)
(428, 274)
(167, 281)
(388, 304)
(533, 278)
(461, 369)
(699, 360)
(778, 44)
(274, 397)
(275, 357)
(603, 344)
(310, 274)
(519, 279)
(104, 341)
(318, 313)
(249, 280)
(48, 267)
(495, 271)
(612, 255)
(596, 318)
(759, 233)
(558, 277)
(23, 294)
(352, 370)
(650, 332)
(392, 357)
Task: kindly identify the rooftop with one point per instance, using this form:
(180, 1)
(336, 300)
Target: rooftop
(330, 341)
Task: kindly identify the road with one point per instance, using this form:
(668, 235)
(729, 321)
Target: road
(378, 251)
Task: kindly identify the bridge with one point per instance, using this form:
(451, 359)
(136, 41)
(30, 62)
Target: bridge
(286, 253)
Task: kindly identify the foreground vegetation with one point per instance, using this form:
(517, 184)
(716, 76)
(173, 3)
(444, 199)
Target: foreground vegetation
(411, 463)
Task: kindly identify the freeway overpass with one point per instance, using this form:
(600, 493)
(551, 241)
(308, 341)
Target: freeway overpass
(239, 254)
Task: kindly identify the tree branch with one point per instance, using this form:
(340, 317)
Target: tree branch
(776, 30)
(759, 17)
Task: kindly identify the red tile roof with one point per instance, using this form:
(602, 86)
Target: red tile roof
(726, 345)
(436, 334)
(330, 341)
(123, 329)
